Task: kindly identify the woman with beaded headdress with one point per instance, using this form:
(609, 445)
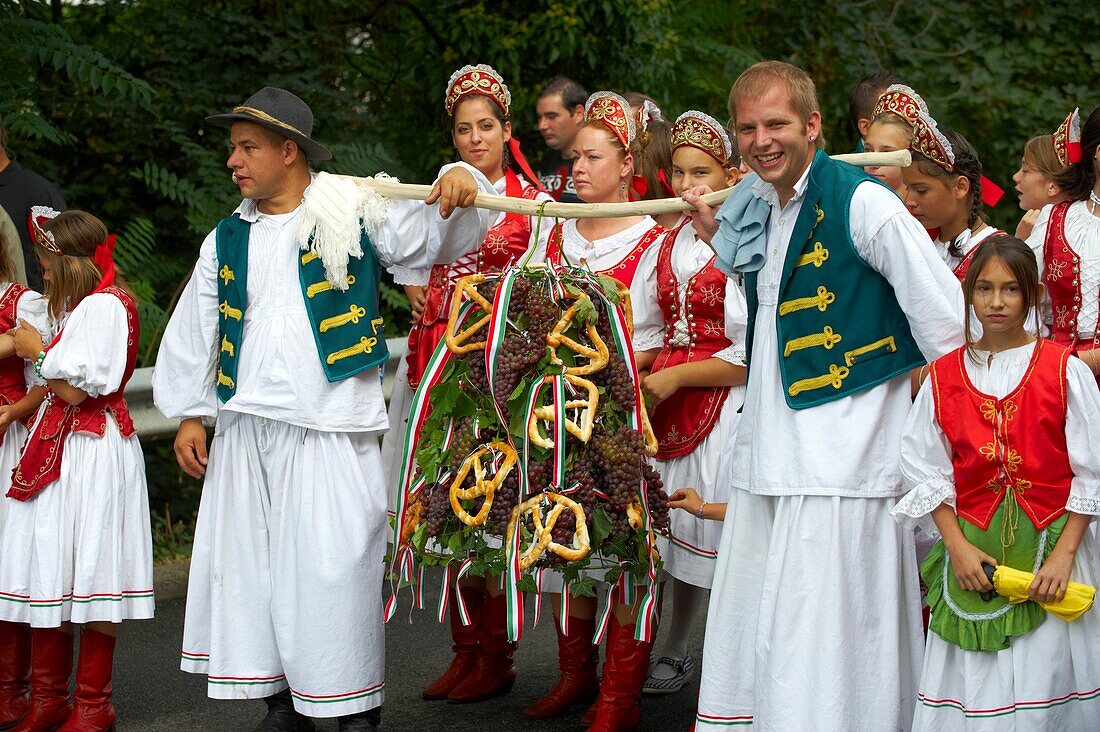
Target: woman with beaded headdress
(1070, 241)
(891, 129)
(609, 146)
(944, 192)
(478, 106)
(1045, 156)
(690, 322)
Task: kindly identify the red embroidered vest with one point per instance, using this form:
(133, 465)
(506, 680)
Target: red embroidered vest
(1063, 279)
(13, 385)
(627, 266)
(506, 243)
(40, 463)
(1018, 441)
(682, 422)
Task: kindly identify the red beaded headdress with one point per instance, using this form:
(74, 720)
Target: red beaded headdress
(614, 112)
(481, 79)
(901, 100)
(1067, 140)
(930, 142)
(37, 220)
(701, 131)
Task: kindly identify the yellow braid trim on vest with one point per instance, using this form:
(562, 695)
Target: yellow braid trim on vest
(365, 345)
(308, 257)
(351, 316)
(826, 338)
(226, 274)
(224, 380)
(817, 257)
(227, 347)
(229, 312)
(850, 357)
(324, 286)
(376, 324)
(822, 300)
(835, 378)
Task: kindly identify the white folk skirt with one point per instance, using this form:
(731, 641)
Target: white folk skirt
(81, 550)
(690, 555)
(814, 618)
(1045, 681)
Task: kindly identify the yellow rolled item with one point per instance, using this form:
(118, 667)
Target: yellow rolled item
(1013, 584)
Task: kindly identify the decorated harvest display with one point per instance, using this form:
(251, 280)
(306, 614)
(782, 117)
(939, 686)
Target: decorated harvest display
(528, 438)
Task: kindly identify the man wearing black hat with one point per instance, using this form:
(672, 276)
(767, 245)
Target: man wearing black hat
(277, 341)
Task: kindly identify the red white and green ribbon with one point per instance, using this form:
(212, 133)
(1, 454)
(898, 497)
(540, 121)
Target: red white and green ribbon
(404, 556)
(647, 612)
(494, 342)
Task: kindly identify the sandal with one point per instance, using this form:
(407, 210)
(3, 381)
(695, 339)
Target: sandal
(682, 667)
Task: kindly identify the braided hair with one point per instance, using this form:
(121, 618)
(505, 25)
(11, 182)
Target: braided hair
(966, 165)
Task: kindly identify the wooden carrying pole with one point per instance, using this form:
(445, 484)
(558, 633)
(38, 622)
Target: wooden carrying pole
(413, 192)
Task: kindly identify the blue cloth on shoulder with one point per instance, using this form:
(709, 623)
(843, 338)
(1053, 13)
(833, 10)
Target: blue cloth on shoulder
(741, 239)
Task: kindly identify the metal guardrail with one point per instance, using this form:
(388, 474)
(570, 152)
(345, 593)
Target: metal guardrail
(151, 423)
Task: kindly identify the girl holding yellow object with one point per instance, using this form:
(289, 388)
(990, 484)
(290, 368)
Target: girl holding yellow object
(998, 453)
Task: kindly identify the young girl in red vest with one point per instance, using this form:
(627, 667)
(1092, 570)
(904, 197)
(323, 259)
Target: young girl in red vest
(944, 192)
(76, 546)
(1070, 245)
(478, 107)
(999, 451)
(690, 321)
(21, 391)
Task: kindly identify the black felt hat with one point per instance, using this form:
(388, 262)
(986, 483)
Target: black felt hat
(279, 111)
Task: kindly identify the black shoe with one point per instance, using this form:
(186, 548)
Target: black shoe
(281, 716)
(361, 722)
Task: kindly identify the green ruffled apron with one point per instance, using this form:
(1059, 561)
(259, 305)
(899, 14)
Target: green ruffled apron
(964, 618)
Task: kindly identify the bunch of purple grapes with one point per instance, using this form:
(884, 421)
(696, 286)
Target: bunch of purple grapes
(463, 442)
(541, 311)
(616, 377)
(620, 461)
(477, 378)
(437, 508)
(504, 500)
(655, 495)
(518, 353)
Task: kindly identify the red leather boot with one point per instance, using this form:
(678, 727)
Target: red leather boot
(577, 659)
(609, 638)
(51, 667)
(15, 673)
(92, 710)
(494, 673)
(464, 638)
(624, 672)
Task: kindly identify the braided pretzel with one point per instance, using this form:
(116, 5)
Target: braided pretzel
(651, 443)
(583, 431)
(483, 486)
(542, 540)
(627, 308)
(597, 356)
(412, 520)
(456, 339)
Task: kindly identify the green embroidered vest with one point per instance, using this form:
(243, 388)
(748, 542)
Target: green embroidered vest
(840, 328)
(346, 325)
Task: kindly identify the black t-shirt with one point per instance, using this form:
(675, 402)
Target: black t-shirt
(556, 175)
(19, 190)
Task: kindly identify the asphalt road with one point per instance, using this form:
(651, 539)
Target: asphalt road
(153, 695)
